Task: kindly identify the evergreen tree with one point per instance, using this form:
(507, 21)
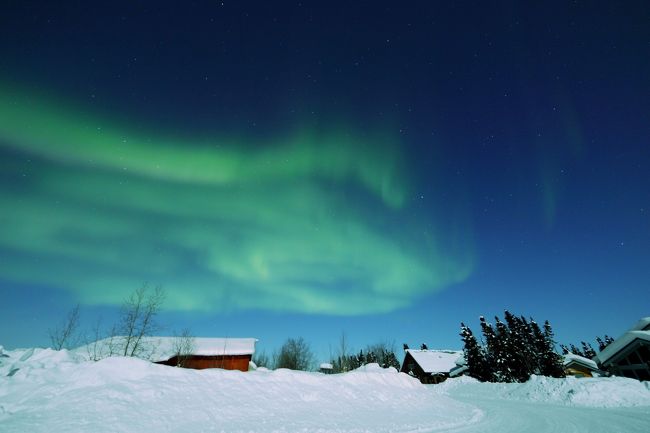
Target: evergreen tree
(532, 356)
(512, 351)
(390, 360)
(505, 361)
(603, 343)
(551, 361)
(587, 350)
(518, 350)
(574, 349)
(477, 363)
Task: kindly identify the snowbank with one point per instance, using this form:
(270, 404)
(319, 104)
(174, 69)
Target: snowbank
(602, 392)
(57, 391)
(43, 390)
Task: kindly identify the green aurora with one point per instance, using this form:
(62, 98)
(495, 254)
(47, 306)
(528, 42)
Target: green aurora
(300, 223)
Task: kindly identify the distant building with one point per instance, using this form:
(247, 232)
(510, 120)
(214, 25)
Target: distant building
(579, 366)
(430, 366)
(225, 353)
(629, 355)
(326, 368)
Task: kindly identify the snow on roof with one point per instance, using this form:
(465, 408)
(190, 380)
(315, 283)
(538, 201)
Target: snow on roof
(326, 366)
(571, 357)
(620, 343)
(163, 348)
(642, 325)
(435, 361)
(458, 370)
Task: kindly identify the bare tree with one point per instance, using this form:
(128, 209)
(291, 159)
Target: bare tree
(184, 347)
(296, 355)
(138, 316)
(65, 335)
(94, 348)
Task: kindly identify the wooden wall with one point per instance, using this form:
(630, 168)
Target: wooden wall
(230, 362)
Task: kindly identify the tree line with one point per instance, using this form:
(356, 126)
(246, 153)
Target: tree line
(511, 351)
(296, 354)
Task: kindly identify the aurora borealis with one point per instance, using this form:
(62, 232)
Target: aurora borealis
(223, 227)
(388, 172)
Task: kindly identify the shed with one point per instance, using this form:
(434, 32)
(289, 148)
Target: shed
(225, 353)
(629, 355)
(430, 366)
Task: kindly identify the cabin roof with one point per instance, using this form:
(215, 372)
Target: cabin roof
(435, 361)
(163, 348)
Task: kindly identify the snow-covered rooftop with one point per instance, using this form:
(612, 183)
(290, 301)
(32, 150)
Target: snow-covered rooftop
(571, 357)
(163, 348)
(326, 366)
(618, 344)
(435, 361)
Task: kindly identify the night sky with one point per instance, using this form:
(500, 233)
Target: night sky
(306, 169)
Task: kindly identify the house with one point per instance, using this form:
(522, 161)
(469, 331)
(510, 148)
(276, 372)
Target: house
(197, 353)
(629, 355)
(579, 366)
(430, 366)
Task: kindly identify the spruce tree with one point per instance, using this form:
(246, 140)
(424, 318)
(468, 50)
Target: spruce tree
(575, 350)
(540, 346)
(519, 355)
(551, 361)
(505, 360)
(477, 364)
(532, 357)
(587, 350)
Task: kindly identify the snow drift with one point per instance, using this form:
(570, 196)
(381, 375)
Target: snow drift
(43, 390)
(597, 392)
(56, 391)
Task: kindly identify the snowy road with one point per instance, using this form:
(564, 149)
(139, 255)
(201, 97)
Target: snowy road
(513, 416)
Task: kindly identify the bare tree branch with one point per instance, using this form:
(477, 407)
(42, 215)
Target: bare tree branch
(64, 335)
(184, 346)
(137, 321)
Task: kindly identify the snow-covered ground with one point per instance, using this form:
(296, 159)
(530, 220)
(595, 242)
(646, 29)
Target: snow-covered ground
(43, 390)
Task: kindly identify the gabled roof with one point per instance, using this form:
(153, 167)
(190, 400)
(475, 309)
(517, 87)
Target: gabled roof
(435, 361)
(620, 343)
(163, 348)
(571, 358)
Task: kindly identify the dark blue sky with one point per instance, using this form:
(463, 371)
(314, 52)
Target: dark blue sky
(497, 152)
